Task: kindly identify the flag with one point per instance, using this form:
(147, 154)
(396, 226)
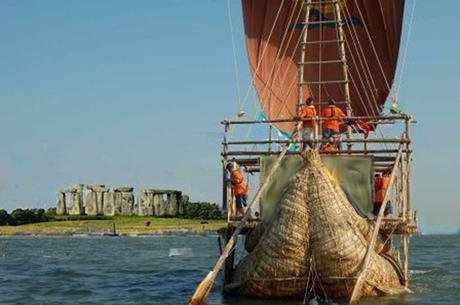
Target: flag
(360, 126)
(286, 136)
(394, 107)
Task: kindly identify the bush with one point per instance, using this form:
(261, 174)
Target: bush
(51, 212)
(5, 218)
(202, 210)
(25, 216)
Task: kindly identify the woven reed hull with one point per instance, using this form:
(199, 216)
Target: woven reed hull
(278, 266)
(339, 239)
(314, 223)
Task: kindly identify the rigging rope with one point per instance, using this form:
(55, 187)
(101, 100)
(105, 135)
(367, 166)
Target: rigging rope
(263, 54)
(409, 32)
(235, 63)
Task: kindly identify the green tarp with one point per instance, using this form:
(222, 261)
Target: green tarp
(354, 175)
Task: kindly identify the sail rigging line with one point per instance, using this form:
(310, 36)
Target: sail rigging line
(277, 60)
(362, 60)
(355, 32)
(263, 53)
(278, 55)
(351, 54)
(235, 62)
(357, 45)
(409, 32)
(373, 47)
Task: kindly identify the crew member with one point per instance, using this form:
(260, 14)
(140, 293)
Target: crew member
(329, 148)
(331, 126)
(381, 183)
(239, 187)
(307, 112)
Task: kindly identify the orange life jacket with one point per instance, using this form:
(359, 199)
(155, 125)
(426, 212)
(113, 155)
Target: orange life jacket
(381, 188)
(306, 113)
(239, 185)
(332, 111)
(329, 148)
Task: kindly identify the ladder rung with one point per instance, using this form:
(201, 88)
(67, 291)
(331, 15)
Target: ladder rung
(325, 82)
(319, 22)
(320, 2)
(322, 41)
(321, 62)
(336, 102)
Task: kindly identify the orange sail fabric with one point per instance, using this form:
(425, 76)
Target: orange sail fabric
(273, 28)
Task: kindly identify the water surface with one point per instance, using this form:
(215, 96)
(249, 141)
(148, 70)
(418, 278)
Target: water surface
(165, 269)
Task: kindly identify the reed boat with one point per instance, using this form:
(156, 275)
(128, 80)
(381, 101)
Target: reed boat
(320, 231)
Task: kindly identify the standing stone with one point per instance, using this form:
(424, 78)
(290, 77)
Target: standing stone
(141, 202)
(95, 199)
(76, 200)
(91, 205)
(127, 200)
(61, 208)
(145, 203)
(183, 204)
(159, 205)
(117, 200)
(172, 205)
(109, 204)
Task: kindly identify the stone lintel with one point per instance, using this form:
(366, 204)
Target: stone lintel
(96, 187)
(124, 189)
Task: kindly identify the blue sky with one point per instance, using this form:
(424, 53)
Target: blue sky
(132, 93)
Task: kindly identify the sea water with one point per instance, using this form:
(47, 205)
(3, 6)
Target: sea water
(165, 269)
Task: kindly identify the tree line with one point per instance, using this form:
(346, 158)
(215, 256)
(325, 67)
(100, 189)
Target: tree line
(193, 210)
(26, 216)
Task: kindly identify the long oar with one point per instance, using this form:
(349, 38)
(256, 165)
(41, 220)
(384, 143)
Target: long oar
(356, 293)
(204, 287)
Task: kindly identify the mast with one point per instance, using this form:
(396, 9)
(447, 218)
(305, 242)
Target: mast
(301, 80)
(343, 61)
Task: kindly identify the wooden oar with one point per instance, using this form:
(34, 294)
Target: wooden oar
(201, 292)
(356, 293)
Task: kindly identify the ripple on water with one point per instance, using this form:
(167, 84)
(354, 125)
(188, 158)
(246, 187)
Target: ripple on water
(133, 270)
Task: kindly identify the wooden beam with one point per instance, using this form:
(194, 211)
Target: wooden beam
(355, 295)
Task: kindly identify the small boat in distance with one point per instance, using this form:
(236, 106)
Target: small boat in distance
(113, 233)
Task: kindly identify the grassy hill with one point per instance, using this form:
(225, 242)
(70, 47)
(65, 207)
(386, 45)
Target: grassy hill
(124, 225)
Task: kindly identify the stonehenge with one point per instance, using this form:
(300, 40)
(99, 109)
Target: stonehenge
(99, 200)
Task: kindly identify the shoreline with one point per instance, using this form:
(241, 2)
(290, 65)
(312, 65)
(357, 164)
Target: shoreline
(125, 226)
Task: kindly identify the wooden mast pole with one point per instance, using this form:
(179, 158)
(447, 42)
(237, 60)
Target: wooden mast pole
(343, 59)
(405, 241)
(300, 77)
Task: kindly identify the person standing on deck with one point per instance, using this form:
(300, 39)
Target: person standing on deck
(381, 184)
(331, 126)
(239, 187)
(307, 112)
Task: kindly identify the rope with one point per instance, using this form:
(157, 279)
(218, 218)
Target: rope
(263, 54)
(403, 65)
(235, 63)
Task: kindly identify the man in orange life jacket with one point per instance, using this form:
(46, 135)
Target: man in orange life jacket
(331, 126)
(381, 183)
(239, 187)
(308, 112)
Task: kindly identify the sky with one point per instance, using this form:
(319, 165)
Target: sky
(133, 92)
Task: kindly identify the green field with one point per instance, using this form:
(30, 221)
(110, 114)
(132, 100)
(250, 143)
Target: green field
(124, 225)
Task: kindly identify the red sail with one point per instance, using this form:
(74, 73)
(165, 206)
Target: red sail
(372, 31)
